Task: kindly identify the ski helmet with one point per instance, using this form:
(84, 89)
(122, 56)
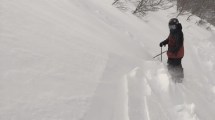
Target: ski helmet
(173, 23)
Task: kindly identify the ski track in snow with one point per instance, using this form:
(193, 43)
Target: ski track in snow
(86, 60)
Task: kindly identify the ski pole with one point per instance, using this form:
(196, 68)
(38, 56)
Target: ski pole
(159, 54)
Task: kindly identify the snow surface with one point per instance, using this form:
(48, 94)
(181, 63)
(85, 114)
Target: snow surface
(86, 60)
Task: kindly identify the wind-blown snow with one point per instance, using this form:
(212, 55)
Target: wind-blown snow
(86, 60)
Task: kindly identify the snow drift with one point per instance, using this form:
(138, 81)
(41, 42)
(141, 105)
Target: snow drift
(86, 60)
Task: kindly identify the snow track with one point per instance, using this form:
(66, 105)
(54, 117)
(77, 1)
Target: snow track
(110, 99)
(130, 96)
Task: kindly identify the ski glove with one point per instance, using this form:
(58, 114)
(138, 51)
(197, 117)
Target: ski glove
(161, 44)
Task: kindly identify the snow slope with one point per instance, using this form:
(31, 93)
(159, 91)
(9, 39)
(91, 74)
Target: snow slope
(86, 60)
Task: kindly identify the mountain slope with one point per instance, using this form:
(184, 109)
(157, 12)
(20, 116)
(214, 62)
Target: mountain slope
(86, 60)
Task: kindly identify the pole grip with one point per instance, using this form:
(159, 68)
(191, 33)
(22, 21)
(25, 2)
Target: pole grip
(161, 54)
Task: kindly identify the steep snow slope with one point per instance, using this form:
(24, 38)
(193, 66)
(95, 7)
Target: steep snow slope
(86, 60)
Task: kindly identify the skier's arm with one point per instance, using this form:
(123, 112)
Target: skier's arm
(164, 42)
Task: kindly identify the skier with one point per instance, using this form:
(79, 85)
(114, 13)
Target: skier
(175, 51)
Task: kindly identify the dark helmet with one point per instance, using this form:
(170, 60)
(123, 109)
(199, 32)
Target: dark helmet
(173, 24)
(173, 21)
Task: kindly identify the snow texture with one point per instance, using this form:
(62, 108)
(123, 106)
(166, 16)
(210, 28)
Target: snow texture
(86, 60)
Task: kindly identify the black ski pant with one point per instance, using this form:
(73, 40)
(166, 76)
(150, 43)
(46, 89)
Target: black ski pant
(175, 67)
(174, 62)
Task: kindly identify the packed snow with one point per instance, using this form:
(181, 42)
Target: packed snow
(87, 60)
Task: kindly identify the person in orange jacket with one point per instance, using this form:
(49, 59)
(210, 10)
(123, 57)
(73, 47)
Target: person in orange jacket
(175, 43)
